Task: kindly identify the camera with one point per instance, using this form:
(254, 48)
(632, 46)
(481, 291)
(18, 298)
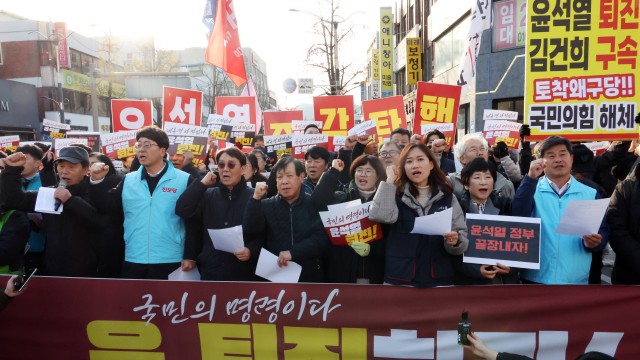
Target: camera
(464, 329)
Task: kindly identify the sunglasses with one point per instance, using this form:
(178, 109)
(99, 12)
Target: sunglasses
(230, 165)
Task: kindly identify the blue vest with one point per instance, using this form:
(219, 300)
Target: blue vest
(563, 258)
(36, 239)
(153, 233)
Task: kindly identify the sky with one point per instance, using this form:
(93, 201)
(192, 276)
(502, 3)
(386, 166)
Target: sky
(280, 37)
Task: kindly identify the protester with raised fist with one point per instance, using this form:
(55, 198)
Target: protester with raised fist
(360, 262)
(220, 207)
(148, 196)
(71, 235)
(288, 225)
(564, 259)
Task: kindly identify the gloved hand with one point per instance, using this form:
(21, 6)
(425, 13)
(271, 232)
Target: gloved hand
(361, 248)
(500, 150)
(524, 131)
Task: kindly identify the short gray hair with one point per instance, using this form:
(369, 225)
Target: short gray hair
(460, 147)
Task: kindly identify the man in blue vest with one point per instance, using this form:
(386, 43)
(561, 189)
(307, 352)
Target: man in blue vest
(34, 258)
(154, 235)
(564, 259)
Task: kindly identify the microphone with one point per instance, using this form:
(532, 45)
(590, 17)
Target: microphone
(62, 184)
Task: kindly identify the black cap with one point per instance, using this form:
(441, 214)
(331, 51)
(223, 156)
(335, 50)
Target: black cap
(74, 155)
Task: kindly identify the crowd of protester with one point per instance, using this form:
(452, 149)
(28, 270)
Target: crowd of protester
(154, 218)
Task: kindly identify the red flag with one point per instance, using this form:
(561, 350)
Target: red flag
(224, 49)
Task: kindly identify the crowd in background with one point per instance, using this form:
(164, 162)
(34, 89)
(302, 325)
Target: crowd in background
(155, 217)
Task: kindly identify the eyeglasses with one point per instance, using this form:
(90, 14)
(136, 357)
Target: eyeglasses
(476, 150)
(388, 153)
(365, 172)
(144, 146)
(230, 165)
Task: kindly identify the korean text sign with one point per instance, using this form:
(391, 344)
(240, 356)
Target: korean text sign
(335, 112)
(208, 320)
(119, 145)
(130, 114)
(351, 224)
(502, 130)
(386, 51)
(187, 138)
(279, 122)
(436, 103)
(10, 142)
(582, 69)
(183, 106)
(389, 114)
(242, 109)
(277, 145)
(510, 240)
(54, 130)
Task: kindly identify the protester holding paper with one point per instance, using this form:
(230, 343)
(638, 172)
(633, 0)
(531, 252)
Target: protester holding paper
(478, 177)
(219, 207)
(288, 225)
(564, 259)
(361, 262)
(71, 246)
(417, 187)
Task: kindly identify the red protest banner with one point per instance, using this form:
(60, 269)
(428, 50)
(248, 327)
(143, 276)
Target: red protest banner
(206, 320)
(130, 114)
(335, 112)
(502, 130)
(389, 114)
(182, 106)
(351, 224)
(242, 109)
(119, 145)
(436, 103)
(279, 122)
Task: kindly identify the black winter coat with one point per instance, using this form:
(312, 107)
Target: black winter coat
(72, 237)
(217, 208)
(13, 239)
(343, 264)
(297, 228)
(623, 217)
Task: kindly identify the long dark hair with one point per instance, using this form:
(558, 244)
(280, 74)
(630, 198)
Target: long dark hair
(437, 179)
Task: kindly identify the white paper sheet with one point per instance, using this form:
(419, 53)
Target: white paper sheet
(179, 275)
(268, 269)
(582, 217)
(434, 224)
(228, 240)
(46, 202)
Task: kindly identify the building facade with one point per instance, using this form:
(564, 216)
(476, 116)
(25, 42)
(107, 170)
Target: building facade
(30, 55)
(442, 28)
